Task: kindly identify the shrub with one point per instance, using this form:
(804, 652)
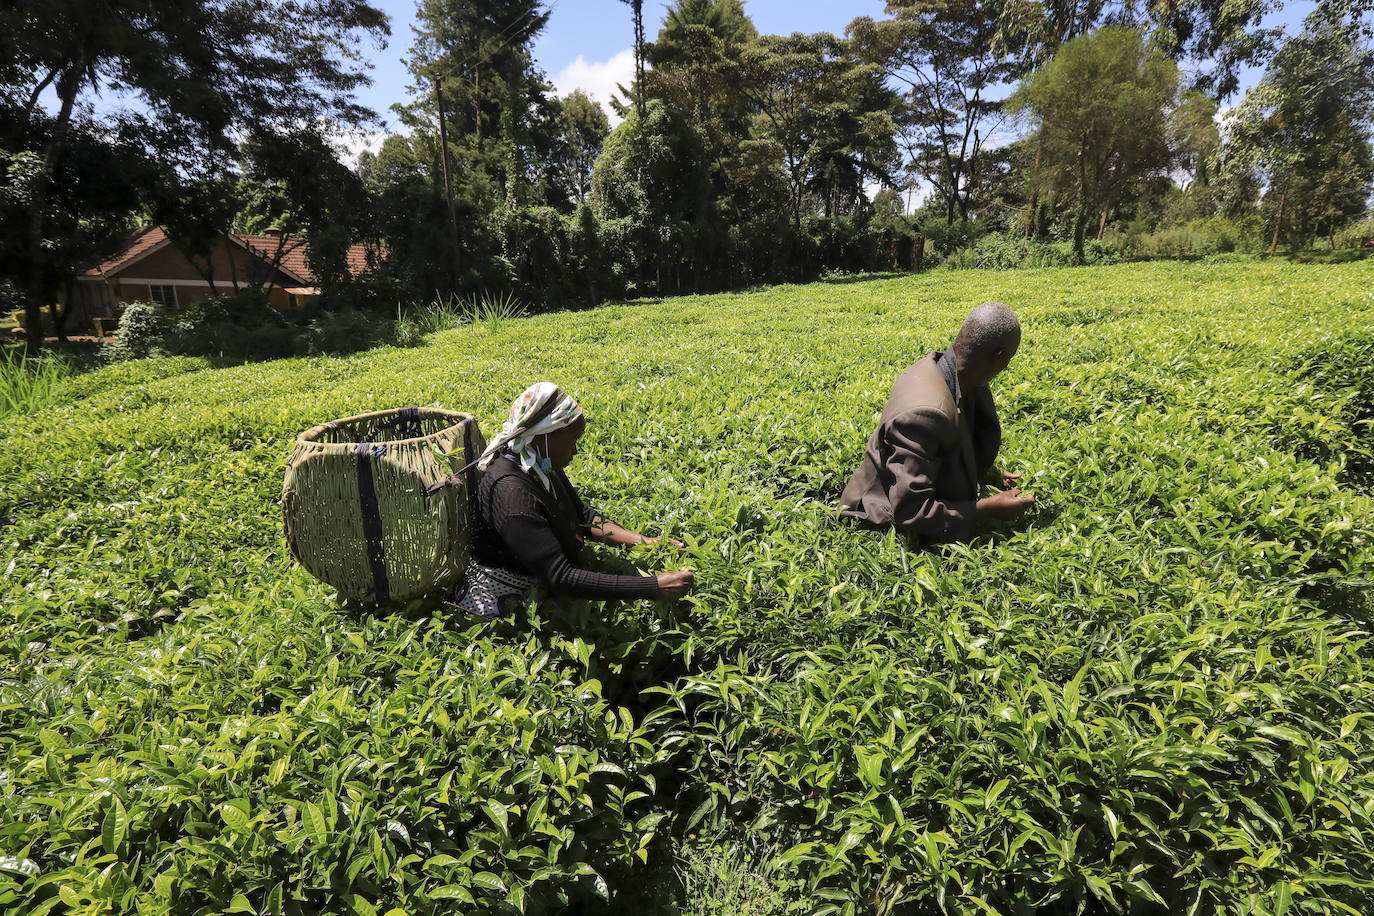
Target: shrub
(408, 331)
(998, 251)
(346, 331)
(539, 256)
(1195, 239)
(1357, 235)
(144, 328)
(244, 326)
(238, 326)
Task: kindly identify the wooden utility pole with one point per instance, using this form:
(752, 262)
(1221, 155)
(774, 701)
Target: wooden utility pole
(443, 159)
(1033, 198)
(1278, 222)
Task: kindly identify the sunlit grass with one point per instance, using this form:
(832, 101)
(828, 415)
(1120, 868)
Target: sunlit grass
(28, 382)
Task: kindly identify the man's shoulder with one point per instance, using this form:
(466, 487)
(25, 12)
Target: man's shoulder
(920, 393)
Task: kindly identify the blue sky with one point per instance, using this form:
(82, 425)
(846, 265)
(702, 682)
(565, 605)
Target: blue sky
(587, 43)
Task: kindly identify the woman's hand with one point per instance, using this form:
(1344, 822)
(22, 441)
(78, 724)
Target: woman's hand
(608, 532)
(649, 542)
(674, 585)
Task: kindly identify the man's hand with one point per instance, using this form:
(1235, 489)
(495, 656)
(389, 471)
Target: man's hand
(1005, 505)
(1002, 480)
(673, 585)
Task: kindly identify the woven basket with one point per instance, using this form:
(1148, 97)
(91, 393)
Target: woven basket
(371, 508)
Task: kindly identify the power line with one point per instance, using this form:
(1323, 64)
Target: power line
(505, 37)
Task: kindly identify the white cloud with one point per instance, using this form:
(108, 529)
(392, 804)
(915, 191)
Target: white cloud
(597, 78)
(351, 143)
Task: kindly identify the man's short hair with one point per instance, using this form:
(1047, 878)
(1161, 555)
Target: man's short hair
(990, 327)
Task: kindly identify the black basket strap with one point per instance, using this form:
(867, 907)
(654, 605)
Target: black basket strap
(469, 466)
(406, 417)
(372, 521)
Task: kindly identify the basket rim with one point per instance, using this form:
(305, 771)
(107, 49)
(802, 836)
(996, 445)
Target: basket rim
(309, 437)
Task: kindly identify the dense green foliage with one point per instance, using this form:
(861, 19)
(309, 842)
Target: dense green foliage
(209, 80)
(1098, 110)
(740, 158)
(1304, 133)
(750, 158)
(1154, 695)
(244, 326)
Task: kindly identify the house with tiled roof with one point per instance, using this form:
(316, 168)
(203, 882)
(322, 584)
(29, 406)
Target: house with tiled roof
(151, 267)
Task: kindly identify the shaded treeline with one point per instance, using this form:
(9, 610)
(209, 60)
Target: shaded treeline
(947, 129)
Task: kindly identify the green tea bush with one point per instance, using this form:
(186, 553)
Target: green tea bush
(1342, 368)
(1153, 695)
(517, 781)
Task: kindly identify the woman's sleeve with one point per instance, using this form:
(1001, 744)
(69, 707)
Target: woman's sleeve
(520, 520)
(586, 515)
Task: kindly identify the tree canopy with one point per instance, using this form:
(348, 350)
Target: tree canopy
(973, 131)
(200, 77)
(1098, 113)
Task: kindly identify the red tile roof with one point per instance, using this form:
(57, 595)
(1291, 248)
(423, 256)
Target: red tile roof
(295, 253)
(291, 254)
(140, 242)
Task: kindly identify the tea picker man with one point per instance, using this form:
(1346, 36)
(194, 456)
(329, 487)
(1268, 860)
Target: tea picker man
(938, 439)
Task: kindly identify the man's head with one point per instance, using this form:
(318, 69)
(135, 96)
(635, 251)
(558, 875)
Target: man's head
(986, 343)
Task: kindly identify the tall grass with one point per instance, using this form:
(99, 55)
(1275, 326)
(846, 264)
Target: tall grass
(491, 310)
(28, 382)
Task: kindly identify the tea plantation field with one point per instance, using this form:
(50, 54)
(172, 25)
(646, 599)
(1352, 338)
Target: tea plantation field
(1156, 695)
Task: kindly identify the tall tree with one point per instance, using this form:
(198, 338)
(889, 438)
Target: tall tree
(696, 72)
(1194, 136)
(1098, 112)
(694, 64)
(827, 113)
(583, 127)
(206, 73)
(651, 193)
(485, 107)
(946, 54)
(637, 13)
(1217, 37)
(1303, 133)
(473, 57)
(413, 218)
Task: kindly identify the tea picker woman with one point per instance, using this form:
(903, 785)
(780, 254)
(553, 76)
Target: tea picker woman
(531, 523)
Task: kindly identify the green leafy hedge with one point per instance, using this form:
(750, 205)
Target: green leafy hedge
(1153, 695)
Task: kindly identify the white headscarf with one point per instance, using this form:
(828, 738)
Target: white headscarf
(541, 408)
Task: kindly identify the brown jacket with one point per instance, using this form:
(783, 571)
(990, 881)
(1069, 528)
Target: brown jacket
(922, 465)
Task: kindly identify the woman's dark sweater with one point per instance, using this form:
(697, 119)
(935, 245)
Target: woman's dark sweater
(524, 527)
